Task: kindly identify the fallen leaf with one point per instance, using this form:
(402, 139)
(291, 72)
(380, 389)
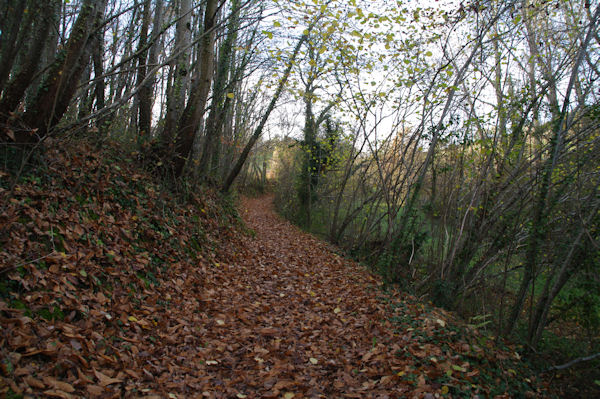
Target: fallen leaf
(105, 380)
(55, 393)
(35, 383)
(94, 390)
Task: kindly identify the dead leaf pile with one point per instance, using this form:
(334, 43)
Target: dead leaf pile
(112, 289)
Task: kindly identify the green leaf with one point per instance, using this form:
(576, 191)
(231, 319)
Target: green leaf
(269, 34)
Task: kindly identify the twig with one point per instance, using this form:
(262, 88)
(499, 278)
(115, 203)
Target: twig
(10, 268)
(574, 361)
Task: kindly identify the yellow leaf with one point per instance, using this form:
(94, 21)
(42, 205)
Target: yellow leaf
(241, 395)
(133, 319)
(337, 310)
(445, 390)
(230, 95)
(276, 23)
(312, 293)
(289, 395)
(305, 32)
(313, 360)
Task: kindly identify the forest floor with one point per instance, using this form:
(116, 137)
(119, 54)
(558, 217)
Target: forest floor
(108, 288)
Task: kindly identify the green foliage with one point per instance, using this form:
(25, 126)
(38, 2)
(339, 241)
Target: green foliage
(580, 302)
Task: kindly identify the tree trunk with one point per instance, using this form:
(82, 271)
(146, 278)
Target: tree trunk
(17, 87)
(97, 55)
(143, 113)
(11, 27)
(60, 85)
(539, 222)
(194, 111)
(180, 70)
(145, 93)
(209, 159)
(258, 131)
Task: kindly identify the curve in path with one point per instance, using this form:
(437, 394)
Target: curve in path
(291, 319)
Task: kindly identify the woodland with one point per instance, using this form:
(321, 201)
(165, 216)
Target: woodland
(288, 199)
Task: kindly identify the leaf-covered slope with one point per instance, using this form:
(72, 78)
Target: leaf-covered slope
(100, 280)
(112, 289)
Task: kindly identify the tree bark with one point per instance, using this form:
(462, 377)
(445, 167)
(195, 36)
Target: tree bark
(180, 70)
(16, 88)
(60, 85)
(145, 93)
(209, 159)
(194, 111)
(11, 27)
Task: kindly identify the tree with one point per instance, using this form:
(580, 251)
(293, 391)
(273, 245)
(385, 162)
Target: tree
(60, 84)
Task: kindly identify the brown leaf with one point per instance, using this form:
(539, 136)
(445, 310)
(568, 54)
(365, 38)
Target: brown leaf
(54, 393)
(105, 380)
(33, 382)
(94, 390)
(54, 383)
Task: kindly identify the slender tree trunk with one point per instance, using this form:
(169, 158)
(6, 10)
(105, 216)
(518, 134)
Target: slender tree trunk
(17, 87)
(539, 222)
(60, 85)
(258, 131)
(145, 93)
(143, 113)
(180, 71)
(97, 58)
(194, 111)
(209, 159)
(11, 27)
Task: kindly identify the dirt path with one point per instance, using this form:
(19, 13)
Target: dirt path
(143, 303)
(293, 319)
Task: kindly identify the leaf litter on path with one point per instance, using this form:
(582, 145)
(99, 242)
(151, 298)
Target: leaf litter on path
(133, 303)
